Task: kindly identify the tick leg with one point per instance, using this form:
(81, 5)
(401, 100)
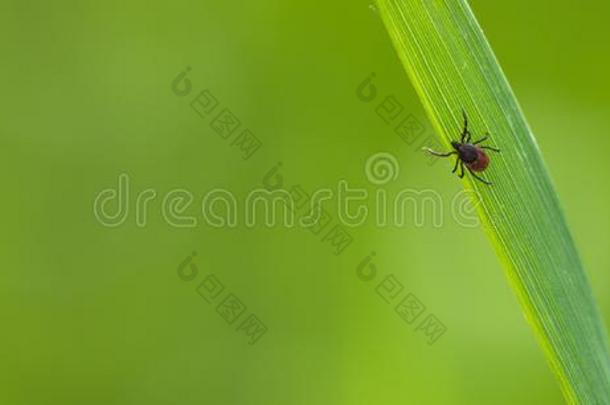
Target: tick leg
(457, 162)
(465, 120)
(481, 140)
(490, 148)
(461, 175)
(435, 153)
(466, 137)
(478, 178)
(465, 131)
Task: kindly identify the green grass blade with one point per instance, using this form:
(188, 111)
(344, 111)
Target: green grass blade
(452, 67)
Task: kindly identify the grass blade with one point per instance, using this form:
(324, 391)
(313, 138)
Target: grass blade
(452, 67)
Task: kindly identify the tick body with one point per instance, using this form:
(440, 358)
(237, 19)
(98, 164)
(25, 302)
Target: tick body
(469, 154)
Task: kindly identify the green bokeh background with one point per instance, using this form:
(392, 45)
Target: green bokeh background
(97, 315)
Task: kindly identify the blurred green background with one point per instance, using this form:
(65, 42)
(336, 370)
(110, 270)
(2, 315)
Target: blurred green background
(98, 315)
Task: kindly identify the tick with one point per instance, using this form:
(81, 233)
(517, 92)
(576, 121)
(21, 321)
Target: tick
(469, 154)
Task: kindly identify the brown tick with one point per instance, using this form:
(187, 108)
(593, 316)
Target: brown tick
(469, 154)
